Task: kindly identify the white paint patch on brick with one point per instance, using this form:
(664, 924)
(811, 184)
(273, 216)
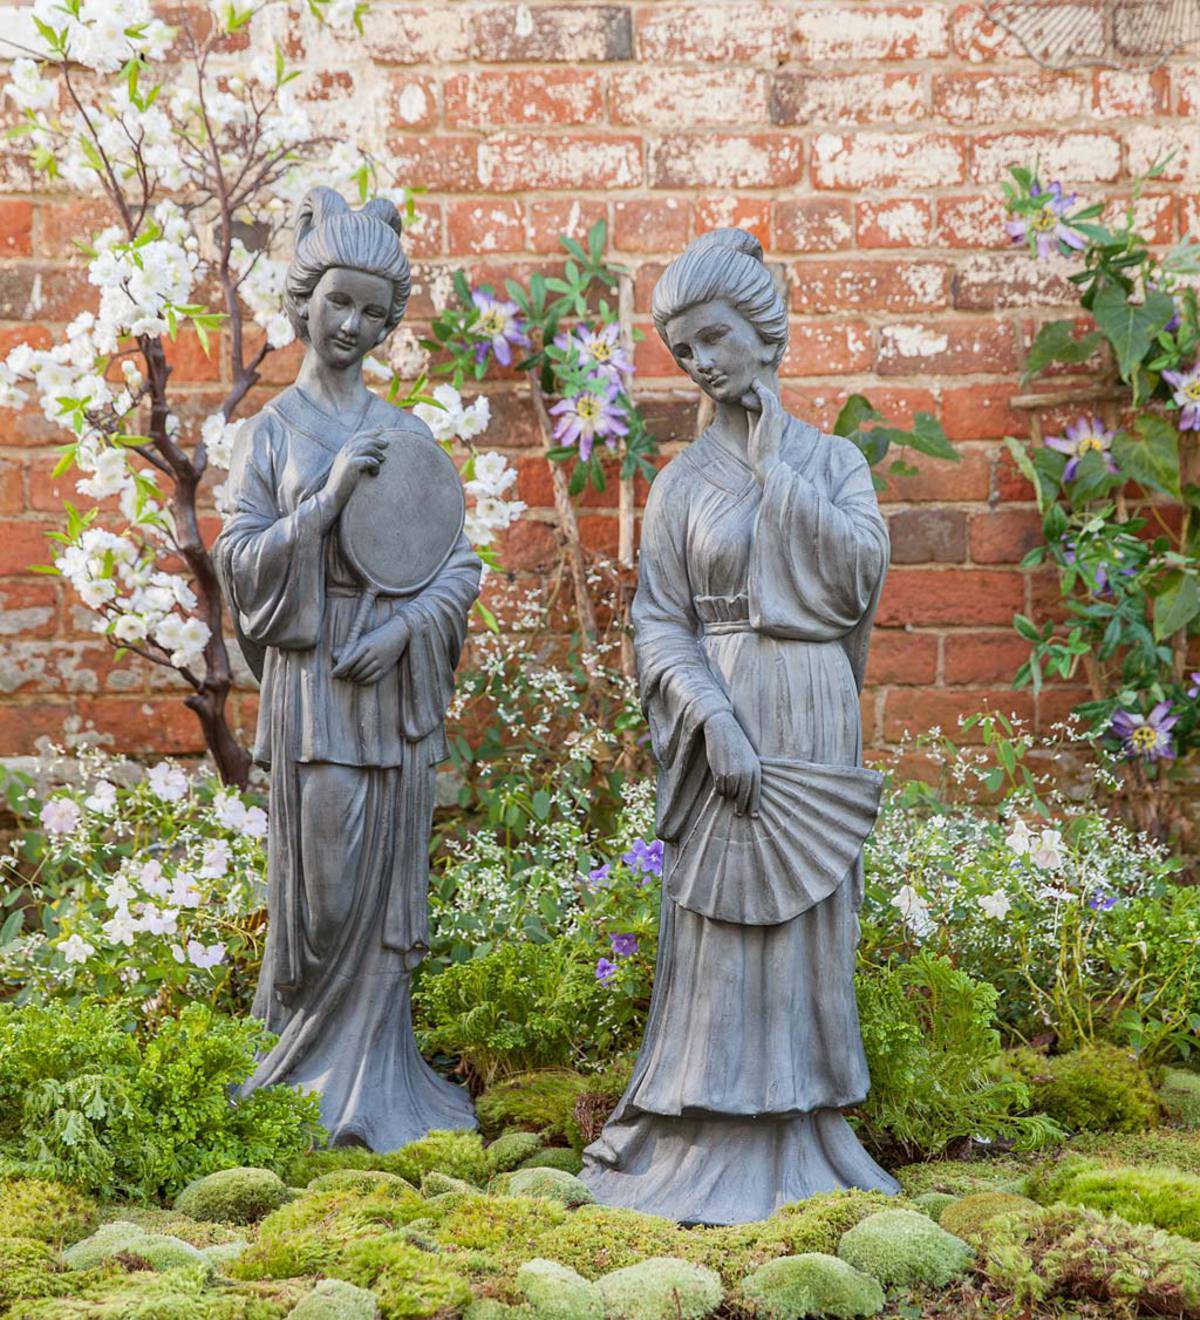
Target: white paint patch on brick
(1124, 94)
(885, 160)
(1031, 99)
(726, 161)
(855, 98)
(1150, 143)
(754, 33)
(523, 21)
(24, 619)
(685, 98)
(412, 105)
(903, 222)
(1071, 157)
(860, 33)
(517, 162)
(911, 341)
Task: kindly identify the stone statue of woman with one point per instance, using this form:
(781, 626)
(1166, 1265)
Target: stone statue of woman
(351, 733)
(762, 557)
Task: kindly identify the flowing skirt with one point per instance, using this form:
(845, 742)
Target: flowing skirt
(337, 994)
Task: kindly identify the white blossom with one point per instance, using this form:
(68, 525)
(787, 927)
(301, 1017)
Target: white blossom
(215, 861)
(995, 905)
(452, 420)
(1048, 853)
(1020, 840)
(75, 949)
(120, 928)
(167, 781)
(60, 815)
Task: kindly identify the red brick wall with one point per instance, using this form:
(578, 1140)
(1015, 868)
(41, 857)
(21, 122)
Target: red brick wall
(863, 142)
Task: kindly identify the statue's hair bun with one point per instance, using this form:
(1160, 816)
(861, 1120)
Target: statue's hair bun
(740, 240)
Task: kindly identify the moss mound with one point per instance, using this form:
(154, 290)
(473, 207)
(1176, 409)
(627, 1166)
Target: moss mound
(544, 1184)
(362, 1180)
(27, 1269)
(554, 1157)
(597, 1239)
(542, 1101)
(812, 1284)
(970, 1216)
(962, 1177)
(459, 1154)
(661, 1288)
(45, 1210)
(1166, 1198)
(1179, 1096)
(1099, 1088)
(933, 1203)
(512, 1149)
(1166, 1147)
(137, 1249)
(559, 1293)
(438, 1184)
(233, 1196)
(334, 1299)
(489, 1238)
(904, 1248)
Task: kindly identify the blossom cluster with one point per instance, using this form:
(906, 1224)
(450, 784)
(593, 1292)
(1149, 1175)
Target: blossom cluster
(596, 412)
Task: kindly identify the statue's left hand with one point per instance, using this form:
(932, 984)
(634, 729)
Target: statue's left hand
(374, 654)
(766, 431)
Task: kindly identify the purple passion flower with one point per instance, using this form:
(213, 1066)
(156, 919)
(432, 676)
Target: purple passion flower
(645, 858)
(1146, 737)
(600, 346)
(605, 971)
(1102, 902)
(1045, 226)
(1194, 690)
(624, 946)
(588, 417)
(500, 325)
(1084, 436)
(1186, 385)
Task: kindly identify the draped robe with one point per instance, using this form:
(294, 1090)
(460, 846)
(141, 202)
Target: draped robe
(352, 780)
(756, 600)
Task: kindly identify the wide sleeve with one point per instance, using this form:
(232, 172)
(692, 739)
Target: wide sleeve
(679, 690)
(271, 563)
(819, 555)
(438, 621)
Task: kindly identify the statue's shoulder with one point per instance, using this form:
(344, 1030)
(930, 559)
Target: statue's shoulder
(256, 437)
(394, 418)
(813, 451)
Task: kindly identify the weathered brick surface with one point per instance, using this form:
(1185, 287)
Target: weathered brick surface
(862, 141)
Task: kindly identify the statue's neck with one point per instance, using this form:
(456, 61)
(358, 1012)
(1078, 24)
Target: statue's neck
(731, 421)
(337, 389)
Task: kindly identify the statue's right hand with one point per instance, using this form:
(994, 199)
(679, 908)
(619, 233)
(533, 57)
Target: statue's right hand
(735, 767)
(363, 453)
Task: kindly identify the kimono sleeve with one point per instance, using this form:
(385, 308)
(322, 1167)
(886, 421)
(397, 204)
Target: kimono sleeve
(271, 563)
(819, 555)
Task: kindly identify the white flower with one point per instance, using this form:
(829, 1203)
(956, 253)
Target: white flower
(205, 956)
(167, 781)
(215, 861)
(184, 638)
(120, 892)
(492, 475)
(1048, 853)
(452, 419)
(120, 928)
(996, 904)
(158, 921)
(218, 435)
(75, 949)
(1020, 840)
(255, 824)
(60, 815)
(102, 799)
(130, 628)
(153, 881)
(229, 810)
(184, 891)
(915, 911)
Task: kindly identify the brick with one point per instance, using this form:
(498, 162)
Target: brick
(1186, 80)
(62, 225)
(1189, 215)
(902, 657)
(936, 480)
(411, 101)
(910, 711)
(652, 358)
(549, 219)
(1055, 706)
(673, 98)
(813, 224)
(23, 724)
(44, 293)
(423, 234)
(16, 229)
(28, 609)
(750, 213)
(732, 33)
(1074, 157)
(946, 348)
(822, 348)
(1148, 144)
(876, 159)
(651, 224)
(23, 543)
(870, 32)
(515, 162)
(1133, 94)
(1153, 215)
(155, 727)
(982, 657)
(188, 361)
(993, 280)
(12, 487)
(518, 97)
(846, 98)
(443, 163)
(972, 222)
(989, 98)
(975, 39)
(826, 286)
(923, 536)
(820, 404)
(1005, 536)
(894, 222)
(474, 227)
(415, 35)
(725, 160)
(567, 34)
(981, 412)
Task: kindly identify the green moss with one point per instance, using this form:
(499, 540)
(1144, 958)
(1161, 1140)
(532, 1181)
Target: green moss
(546, 1184)
(406, 1280)
(439, 1184)
(459, 1154)
(137, 1248)
(557, 1292)
(222, 1254)
(555, 1157)
(1070, 1253)
(962, 1177)
(27, 1269)
(512, 1149)
(542, 1101)
(1165, 1146)
(45, 1210)
(1166, 1198)
(334, 1299)
(903, 1248)
(362, 1180)
(933, 1203)
(104, 1243)
(661, 1288)
(596, 1239)
(812, 1284)
(970, 1216)
(1099, 1088)
(233, 1196)
(1179, 1096)
(153, 1219)
(488, 1238)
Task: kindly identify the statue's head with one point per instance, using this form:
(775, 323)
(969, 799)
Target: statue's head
(348, 282)
(719, 312)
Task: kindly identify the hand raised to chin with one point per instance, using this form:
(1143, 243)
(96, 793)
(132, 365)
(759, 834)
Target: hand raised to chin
(766, 431)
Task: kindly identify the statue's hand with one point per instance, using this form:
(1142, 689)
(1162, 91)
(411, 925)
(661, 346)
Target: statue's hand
(736, 769)
(362, 453)
(375, 654)
(766, 430)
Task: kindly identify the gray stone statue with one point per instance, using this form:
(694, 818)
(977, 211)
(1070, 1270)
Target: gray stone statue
(762, 557)
(349, 581)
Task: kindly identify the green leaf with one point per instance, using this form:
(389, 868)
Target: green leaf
(1152, 459)
(856, 410)
(927, 437)
(1176, 605)
(1130, 327)
(1056, 342)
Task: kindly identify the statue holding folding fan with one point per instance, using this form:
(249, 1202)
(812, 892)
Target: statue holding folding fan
(762, 558)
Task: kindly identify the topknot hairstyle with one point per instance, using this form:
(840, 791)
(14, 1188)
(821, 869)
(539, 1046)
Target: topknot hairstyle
(724, 263)
(329, 234)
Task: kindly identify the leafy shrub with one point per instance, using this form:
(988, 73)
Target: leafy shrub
(1067, 1252)
(1166, 1198)
(45, 1210)
(1179, 1096)
(661, 1288)
(235, 1196)
(813, 1284)
(930, 1037)
(95, 1105)
(902, 1248)
(969, 1216)
(1098, 1088)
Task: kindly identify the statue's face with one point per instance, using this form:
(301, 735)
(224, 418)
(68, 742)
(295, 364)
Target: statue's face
(347, 315)
(720, 350)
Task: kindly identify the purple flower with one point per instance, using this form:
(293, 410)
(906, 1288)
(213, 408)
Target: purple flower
(1045, 226)
(588, 417)
(500, 325)
(1102, 902)
(624, 946)
(600, 347)
(605, 971)
(645, 858)
(1187, 395)
(598, 878)
(1194, 690)
(1146, 736)
(1084, 436)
